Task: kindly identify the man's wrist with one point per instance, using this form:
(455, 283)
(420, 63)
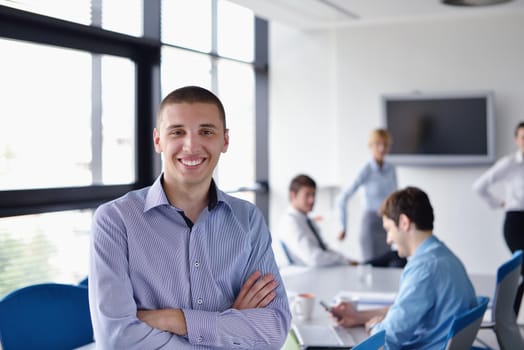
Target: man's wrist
(178, 324)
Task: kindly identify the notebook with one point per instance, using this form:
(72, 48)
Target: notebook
(315, 336)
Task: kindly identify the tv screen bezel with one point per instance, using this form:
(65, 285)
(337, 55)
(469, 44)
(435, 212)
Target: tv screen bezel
(442, 159)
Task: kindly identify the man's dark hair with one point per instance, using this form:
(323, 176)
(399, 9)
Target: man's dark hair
(412, 202)
(519, 125)
(192, 94)
(300, 181)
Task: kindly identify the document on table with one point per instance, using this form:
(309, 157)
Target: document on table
(367, 300)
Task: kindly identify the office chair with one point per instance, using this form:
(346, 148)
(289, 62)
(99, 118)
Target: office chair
(373, 342)
(465, 326)
(503, 318)
(46, 316)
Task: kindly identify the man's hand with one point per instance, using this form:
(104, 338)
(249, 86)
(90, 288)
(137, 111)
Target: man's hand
(373, 321)
(341, 235)
(256, 292)
(171, 320)
(346, 315)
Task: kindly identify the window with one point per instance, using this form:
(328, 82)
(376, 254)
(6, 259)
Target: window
(44, 247)
(51, 122)
(235, 32)
(106, 14)
(69, 139)
(182, 67)
(187, 23)
(80, 88)
(237, 166)
(191, 30)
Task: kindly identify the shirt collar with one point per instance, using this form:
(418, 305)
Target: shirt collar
(157, 197)
(425, 245)
(374, 164)
(519, 157)
(292, 210)
(376, 167)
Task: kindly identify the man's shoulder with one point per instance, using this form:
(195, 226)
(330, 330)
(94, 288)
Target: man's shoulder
(438, 260)
(126, 201)
(235, 202)
(240, 208)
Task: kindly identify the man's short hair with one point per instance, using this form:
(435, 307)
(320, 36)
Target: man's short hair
(412, 202)
(519, 126)
(192, 94)
(300, 181)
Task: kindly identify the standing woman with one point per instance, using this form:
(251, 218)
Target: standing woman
(378, 179)
(509, 171)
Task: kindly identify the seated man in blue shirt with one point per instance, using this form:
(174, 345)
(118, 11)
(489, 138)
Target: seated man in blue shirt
(434, 286)
(180, 264)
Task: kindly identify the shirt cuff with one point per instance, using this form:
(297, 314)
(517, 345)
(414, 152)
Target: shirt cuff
(201, 327)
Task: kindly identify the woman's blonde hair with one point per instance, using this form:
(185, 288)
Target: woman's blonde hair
(380, 135)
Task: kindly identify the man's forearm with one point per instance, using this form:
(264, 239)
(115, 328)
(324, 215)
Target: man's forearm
(365, 315)
(170, 320)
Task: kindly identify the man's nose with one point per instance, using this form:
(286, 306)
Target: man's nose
(190, 142)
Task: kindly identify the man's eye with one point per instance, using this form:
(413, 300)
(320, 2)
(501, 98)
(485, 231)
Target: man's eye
(176, 132)
(207, 132)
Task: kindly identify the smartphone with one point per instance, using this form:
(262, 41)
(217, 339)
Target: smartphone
(325, 306)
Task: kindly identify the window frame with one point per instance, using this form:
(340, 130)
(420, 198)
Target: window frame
(145, 53)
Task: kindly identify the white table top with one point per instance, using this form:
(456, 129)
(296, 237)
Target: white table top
(326, 282)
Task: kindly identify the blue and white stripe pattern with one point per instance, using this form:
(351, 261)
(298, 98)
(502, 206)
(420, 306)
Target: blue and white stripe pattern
(145, 256)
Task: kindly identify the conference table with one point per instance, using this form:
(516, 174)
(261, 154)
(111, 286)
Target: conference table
(367, 284)
(327, 282)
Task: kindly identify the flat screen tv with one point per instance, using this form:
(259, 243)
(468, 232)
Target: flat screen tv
(440, 129)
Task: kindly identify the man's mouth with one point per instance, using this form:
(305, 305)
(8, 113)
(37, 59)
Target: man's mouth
(192, 162)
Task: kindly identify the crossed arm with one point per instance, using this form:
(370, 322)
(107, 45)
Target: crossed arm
(257, 292)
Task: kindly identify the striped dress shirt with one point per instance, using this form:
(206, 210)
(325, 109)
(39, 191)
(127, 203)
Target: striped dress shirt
(145, 255)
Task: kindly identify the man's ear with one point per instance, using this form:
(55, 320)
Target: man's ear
(156, 140)
(404, 222)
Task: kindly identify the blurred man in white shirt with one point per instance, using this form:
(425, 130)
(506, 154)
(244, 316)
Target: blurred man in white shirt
(300, 234)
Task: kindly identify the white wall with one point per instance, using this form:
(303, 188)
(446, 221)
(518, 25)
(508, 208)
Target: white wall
(324, 100)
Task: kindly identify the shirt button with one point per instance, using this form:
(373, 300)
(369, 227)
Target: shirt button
(200, 301)
(197, 264)
(200, 339)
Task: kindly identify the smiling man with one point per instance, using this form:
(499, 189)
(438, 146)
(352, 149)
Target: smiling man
(181, 264)
(434, 286)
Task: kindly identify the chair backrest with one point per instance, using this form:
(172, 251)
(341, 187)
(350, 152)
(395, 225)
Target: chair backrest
(503, 313)
(45, 316)
(373, 342)
(465, 326)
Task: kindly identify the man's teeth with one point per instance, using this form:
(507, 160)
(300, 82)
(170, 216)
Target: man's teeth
(191, 162)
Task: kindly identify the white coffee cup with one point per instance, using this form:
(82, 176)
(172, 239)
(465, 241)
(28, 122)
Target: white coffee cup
(303, 306)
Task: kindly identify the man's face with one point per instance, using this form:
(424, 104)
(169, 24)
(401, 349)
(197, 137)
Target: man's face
(519, 139)
(396, 235)
(191, 137)
(304, 199)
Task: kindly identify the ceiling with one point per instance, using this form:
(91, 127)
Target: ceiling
(311, 14)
